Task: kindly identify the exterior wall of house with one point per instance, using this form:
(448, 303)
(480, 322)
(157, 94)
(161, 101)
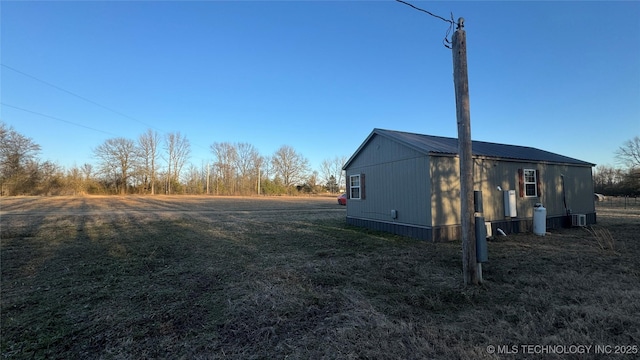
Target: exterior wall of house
(491, 173)
(578, 186)
(396, 178)
(445, 194)
(425, 191)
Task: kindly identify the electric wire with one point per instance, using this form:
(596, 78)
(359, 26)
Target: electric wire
(446, 40)
(75, 123)
(426, 11)
(82, 98)
(56, 118)
(78, 96)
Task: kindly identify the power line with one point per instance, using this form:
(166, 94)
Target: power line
(56, 118)
(428, 12)
(78, 96)
(446, 40)
(76, 124)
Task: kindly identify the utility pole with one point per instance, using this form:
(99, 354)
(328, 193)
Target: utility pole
(207, 178)
(471, 267)
(258, 180)
(461, 84)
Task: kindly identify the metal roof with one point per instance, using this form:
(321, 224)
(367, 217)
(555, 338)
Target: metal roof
(438, 145)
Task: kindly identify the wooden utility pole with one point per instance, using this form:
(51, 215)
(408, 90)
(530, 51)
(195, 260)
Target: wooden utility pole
(461, 84)
(259, 180)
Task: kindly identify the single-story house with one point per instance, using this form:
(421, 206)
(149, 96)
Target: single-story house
(409, 184)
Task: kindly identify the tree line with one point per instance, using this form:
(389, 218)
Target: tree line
(159, 164)
(155, 164)
(611, 181)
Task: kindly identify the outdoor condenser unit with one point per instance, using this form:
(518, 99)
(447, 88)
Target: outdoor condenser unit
(578, 220)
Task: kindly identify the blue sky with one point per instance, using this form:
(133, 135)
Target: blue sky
(318, 75)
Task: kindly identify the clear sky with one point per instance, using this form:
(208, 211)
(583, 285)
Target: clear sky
(318, 75)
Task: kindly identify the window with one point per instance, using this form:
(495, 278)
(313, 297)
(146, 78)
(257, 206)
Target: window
(354, 186)
(530, 183)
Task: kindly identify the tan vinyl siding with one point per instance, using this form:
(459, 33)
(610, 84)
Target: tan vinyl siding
(491, 173)
(445, 195)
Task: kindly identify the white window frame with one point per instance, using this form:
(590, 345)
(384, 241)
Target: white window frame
(527, 175)
(352, 187)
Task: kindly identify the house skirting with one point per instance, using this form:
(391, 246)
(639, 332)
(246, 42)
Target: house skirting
(409, 230)
(453, 232)
(514, 226)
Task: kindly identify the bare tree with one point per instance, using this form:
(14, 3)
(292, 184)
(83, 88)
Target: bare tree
(17, 154)
(247, 163)
(332, 173)
(16, 150)
(226, 156)
(266, 168)
(195, 179)
(629, 153)
(290, 166)
(87, 171)
(75, 180)
(50, 178)
(178, 151)
(117, 158)
(312, 182)
(148, 149)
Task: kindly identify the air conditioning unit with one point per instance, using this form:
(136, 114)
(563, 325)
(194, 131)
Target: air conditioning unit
(578, 220)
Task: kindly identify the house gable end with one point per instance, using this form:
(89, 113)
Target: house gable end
(378, 148)
(381, 149)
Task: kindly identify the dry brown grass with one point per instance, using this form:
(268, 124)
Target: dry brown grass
(245, 278)
(602, 237)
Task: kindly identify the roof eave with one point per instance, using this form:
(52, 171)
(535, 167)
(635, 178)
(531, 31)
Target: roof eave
(389, 135)
(383, 133)
(503, 158)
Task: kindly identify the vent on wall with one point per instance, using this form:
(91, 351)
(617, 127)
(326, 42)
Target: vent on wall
(578, 220)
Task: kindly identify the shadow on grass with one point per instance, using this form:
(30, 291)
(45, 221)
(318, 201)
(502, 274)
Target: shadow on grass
(114, 286)
(241, 285)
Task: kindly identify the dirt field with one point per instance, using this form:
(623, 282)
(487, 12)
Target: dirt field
(252, 278)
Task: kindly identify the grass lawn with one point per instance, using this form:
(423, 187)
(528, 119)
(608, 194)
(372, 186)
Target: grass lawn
(259, 278)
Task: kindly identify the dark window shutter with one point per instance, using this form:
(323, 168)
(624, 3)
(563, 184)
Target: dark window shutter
(362, 192)
(521, 182)
(348, 187)
(538, 183)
